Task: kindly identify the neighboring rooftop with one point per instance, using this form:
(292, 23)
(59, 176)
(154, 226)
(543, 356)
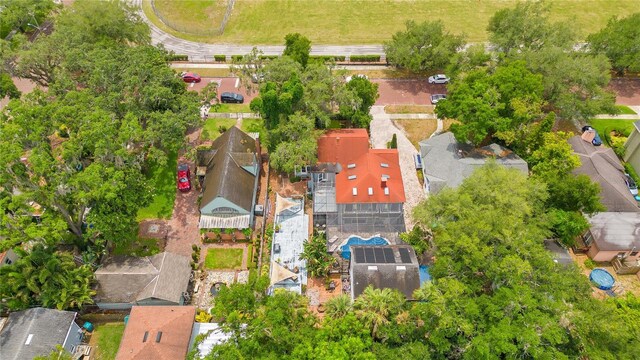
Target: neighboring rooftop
(616, 231)
(157, 333)
(214, 335)
(230, 169)
(128, 279)
(447, 162)
(392, 266)
(367, 175)
(34, 332)
(603, 167)
(287, 269)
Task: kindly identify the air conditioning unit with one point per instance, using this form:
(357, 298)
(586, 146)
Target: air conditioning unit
(258, 210)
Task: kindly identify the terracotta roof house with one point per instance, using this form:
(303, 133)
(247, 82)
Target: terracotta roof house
(157, 333)
(37, 332)
(391, 266)
(616, 231)
(356, 189)
(446, 162)
(632, 147)
(229, 173)
(124, 281)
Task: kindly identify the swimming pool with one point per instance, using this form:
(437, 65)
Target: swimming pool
(424, 274)
(357, 240)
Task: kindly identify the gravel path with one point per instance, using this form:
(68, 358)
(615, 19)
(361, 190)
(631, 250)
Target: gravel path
(382, 129)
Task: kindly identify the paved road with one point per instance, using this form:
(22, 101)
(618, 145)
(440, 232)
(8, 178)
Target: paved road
(199, 51)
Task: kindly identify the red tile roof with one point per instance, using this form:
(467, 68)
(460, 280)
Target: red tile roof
(362, 168)
(174, 322)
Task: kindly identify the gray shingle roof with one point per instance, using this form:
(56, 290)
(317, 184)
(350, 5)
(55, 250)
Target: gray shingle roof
(446, 162)
(48, 328)
(616, 231)
(603, 167)
(128, 279)
(401, 272)
(227, 165)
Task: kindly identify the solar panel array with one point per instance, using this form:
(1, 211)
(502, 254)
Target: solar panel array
(379, 255)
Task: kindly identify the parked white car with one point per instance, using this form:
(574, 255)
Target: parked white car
(438, 79)
(437, 97)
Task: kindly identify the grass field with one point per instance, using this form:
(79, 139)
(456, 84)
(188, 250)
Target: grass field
(223, 259)
(204, 72)
(409, 109)
(107, 340)
(197, 16)
(212, 125)
(417, 129)
(231, 108)
(163, 179)
(605, 126)
(137, 247)
(366, 21)
(625, 110)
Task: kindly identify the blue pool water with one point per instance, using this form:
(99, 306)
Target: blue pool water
(424, 274)
(357, 240)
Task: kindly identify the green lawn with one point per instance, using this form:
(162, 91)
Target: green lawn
(366, 21)
(223, 259)
(137, 247)
(163, 179)
(108, 340)
(212, 125)
(195, 16)
(605, 126)
(625, 110)
(254, 125)
(231, 108)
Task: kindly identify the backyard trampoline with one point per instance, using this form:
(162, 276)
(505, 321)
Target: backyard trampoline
(602, 279)
(357, 240)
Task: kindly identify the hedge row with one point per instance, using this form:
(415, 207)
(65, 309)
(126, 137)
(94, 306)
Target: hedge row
(329, 58)
(220, 58)
(365, 58)
(176, 57)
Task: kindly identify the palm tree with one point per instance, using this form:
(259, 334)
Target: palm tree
(339, 306)
(377, 306)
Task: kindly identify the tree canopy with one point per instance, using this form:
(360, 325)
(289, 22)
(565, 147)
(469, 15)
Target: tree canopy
(619, 42)
(425, 46)
(297, 47)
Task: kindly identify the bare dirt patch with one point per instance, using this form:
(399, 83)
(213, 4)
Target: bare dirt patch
(409, 109)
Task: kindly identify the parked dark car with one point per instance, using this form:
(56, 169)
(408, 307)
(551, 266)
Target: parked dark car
(229, 97)
(437, 97)
(596, 139)
(184, 178)
(191, 78)
(631, 184)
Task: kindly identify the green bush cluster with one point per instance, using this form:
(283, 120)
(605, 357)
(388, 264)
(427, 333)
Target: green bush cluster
(220, 58)
(328, 58)
(176, 57)
(365, 58)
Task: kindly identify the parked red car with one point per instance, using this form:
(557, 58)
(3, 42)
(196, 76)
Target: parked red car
(191, 78)
(184, 178)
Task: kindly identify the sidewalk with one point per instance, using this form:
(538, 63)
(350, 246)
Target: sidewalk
(208, 65)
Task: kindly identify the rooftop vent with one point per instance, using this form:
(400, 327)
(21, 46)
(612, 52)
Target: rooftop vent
(401, 267)
(372, 268)
(29, 338)
(351, 166)
(370, 191)
(146, 335)
(384, 165)
(355, 191)
(351, 177)
(386, 191)
(159, 336)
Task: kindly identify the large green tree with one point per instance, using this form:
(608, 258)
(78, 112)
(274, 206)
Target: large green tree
(425, 46)
(296, 143)
(297, 47)
(620, 42)
(24, 15)
(486, 103)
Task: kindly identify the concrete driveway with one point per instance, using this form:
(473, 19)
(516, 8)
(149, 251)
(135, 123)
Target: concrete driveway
(382, 129)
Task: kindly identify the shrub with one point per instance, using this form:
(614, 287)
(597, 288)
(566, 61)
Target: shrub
(632, 172)
(220, 58)
(365, 58)
(328, 58)
(269, 57)
(237, 57)
(590, 264)
(222, 129)
(617, 143)
(176, 57)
